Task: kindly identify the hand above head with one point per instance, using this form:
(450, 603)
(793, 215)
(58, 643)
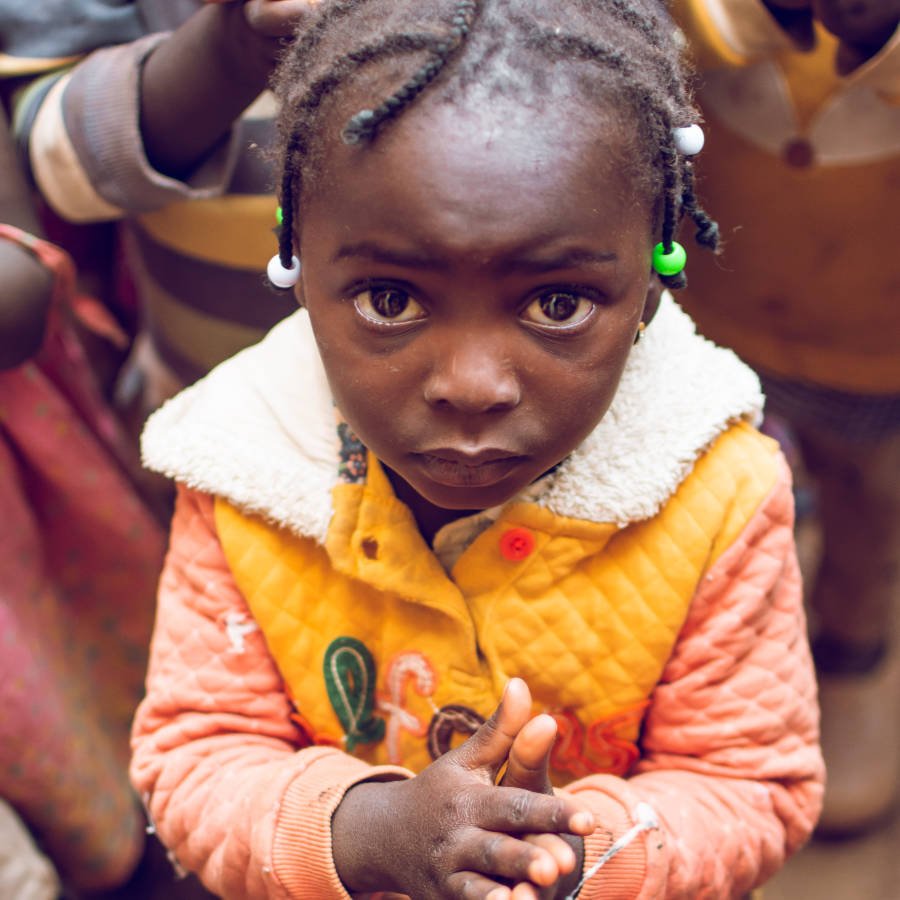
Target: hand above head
(196, 83)
(452, 831)
(863, 27)
(273, 18)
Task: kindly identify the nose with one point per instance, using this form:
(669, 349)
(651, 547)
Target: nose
(473, 374)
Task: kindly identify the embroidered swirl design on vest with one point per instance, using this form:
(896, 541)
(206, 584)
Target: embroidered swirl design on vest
(606, 745)
(450, 720)
(405, 668)
(568, 749)
(350, 681)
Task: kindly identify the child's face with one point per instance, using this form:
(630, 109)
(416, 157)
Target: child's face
(475, 281)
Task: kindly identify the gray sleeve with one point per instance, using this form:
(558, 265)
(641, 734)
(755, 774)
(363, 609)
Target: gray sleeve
(101, 112)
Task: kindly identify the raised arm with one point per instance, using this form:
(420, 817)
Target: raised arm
(196, 83)
(137, 126)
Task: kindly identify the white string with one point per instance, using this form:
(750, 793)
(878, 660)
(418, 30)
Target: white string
(646, 821)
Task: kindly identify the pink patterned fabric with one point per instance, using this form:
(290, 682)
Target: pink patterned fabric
(79, 561)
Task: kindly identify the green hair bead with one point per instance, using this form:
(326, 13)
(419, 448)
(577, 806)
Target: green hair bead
(669, 263)
(279, 215)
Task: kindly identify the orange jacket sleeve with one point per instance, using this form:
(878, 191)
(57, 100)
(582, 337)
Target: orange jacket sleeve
(217, 758)
(731, 763)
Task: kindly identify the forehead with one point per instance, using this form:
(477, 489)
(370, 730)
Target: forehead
(482, 162)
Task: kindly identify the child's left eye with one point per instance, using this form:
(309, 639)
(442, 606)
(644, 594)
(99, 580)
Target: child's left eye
(559, 309)
(388, 306)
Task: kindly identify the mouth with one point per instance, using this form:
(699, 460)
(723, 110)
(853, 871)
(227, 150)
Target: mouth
(456, 468)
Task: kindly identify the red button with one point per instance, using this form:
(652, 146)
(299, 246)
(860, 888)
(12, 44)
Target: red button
(516, 544)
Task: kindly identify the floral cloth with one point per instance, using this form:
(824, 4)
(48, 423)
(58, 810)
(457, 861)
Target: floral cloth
(79, 559)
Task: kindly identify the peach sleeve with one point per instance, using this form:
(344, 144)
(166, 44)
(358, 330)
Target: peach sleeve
(731, 765)
(216, 757)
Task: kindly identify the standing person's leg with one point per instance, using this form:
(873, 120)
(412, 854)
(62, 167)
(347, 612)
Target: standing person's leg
(855, 602)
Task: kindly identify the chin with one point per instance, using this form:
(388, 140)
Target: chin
(468, 498)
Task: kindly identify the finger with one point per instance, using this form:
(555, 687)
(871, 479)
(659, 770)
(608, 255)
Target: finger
(472, 886)
(490, 745)
(562, 853)
(502, 856)
(525, 891)
(529, 756)
(277, 18)
(517, 811)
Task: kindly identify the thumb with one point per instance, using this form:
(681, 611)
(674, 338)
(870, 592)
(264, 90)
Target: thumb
(529, 756)
(490, 745)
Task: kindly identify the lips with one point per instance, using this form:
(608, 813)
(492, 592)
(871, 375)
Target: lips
(457, 468)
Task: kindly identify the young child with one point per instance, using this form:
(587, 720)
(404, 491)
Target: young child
(802, 162)
(464, 474)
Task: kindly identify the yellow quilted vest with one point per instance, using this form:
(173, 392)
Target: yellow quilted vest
(387, 656)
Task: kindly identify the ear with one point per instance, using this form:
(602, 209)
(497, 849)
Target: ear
(651, 302)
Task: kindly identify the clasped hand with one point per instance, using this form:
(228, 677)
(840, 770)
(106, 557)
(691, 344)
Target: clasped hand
(452, 831)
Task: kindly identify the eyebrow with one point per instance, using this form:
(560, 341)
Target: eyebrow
(566, 259)
(376, 253)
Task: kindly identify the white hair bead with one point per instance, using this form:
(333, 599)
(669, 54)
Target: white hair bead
(688, 140)
(281, 277)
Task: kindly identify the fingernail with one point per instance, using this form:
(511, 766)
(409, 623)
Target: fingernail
(582, 822)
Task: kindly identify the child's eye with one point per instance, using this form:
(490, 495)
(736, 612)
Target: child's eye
(559, 309)
(388, 306)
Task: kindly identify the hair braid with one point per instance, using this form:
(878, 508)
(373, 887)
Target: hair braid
(631, 40)
(365, 124)
(311, 36)
(296, 144)
(674, 187)
(707, 229)
(286, 232)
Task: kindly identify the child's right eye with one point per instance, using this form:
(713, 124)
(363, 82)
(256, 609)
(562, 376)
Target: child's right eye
(559, 310)
(388, 306)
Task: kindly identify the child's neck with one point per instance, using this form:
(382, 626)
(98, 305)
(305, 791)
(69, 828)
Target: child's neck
(430, 518)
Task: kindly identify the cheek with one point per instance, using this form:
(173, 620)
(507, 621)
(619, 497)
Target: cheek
(371, 389)
(576, 392)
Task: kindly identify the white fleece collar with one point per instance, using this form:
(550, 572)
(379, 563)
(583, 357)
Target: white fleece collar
(259, 430)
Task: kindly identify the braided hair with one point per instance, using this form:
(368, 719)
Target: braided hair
(621, 52)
